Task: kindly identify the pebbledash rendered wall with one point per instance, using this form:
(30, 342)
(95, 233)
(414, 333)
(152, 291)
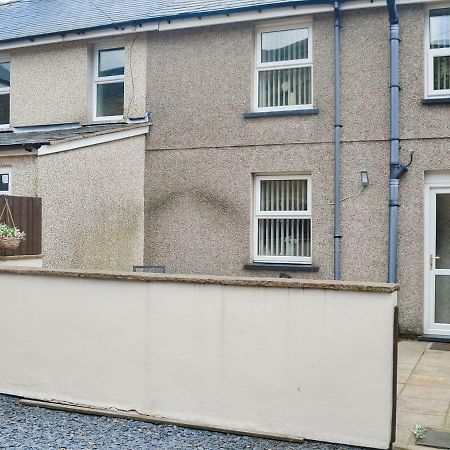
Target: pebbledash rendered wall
(202, 153)
(64, 94)
(93, 203)
(93, 206)
(137, 343)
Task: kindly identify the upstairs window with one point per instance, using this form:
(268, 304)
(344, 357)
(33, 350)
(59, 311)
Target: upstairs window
(282, 222)
(109, 81)
(283, 78)
(439, 52)
(5, 92)
(5, 181)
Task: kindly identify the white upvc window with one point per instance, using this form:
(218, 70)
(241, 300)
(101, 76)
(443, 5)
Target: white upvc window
(282, 219)
(109, 83)
(5, 93)
(438, 52)
(283, 67)
(5, 181)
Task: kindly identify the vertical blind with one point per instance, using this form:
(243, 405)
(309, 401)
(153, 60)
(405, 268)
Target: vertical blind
(284, 86)
(441, 70)
(284, 236)
(285, 45)
(440, 40)
(283, 195)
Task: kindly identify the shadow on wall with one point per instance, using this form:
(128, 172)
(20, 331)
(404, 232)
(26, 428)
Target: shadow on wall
(196, 231)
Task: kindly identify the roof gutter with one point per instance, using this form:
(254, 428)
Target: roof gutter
(158, 23)
(191, 20)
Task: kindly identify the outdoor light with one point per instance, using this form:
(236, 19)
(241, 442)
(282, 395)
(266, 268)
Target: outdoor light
(364, 178)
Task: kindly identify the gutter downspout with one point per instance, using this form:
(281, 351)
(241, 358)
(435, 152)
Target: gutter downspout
(397, 170)
(337, 141)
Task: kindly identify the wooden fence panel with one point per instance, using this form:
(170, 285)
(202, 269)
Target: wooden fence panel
(27, 215)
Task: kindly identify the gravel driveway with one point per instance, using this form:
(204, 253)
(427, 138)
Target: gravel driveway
(30, 428)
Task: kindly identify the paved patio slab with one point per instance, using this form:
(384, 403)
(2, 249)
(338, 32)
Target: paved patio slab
(423, 391)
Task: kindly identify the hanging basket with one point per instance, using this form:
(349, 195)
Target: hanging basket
(10, 242)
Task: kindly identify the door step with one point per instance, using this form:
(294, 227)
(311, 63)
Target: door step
(434, 338)
(435, 439)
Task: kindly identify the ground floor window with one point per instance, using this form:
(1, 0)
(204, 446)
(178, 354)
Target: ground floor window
(5, 181)
(282, 219)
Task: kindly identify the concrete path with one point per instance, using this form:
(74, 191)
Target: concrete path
(423, 390)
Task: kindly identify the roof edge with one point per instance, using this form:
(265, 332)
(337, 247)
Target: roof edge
(180, 16)
(194, 20)
(101, 137)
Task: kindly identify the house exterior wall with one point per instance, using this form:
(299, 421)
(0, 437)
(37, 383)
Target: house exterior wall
(24, 173)
(93, 206)
(40, 96)
(202, 153)
(202, 206)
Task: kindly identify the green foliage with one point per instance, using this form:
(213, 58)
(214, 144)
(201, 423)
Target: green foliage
(7, 231)
(419, 431)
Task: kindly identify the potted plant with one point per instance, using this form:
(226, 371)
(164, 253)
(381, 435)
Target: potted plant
(10, 237)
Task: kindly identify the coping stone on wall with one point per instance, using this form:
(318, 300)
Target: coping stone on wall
(207, 279)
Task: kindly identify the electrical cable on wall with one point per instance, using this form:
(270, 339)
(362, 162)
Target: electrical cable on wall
(131, 76)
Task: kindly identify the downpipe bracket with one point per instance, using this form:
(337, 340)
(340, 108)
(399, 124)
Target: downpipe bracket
(398, 170)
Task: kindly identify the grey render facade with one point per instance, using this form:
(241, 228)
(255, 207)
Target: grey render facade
(203, 152)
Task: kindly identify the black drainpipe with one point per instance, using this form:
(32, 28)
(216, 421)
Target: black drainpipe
(397, 170)
(337, 141)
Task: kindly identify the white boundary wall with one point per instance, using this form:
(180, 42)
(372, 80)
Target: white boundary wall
(299, 359)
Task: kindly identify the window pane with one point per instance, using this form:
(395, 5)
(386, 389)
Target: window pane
(441, 68)
(440, 28)
(110, 99)
(4, 182)
(284, 87)
(286, 45)
(4, 109)
(111, 62)
(284, 195)
(284, 237)
(442, 296)
(5, 74)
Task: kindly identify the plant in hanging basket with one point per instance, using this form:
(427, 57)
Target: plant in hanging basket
(10, 237)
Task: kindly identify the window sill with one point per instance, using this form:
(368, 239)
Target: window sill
(293, 112)
(282, 267)
(106, 120)
(436, 101)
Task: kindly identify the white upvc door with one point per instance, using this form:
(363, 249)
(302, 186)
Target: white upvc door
(437, 260)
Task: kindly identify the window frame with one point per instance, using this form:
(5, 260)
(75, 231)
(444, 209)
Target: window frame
(293, 64)
(6, 91)
(430, 54)
(7, 171)
(106, 80)
(258, 214)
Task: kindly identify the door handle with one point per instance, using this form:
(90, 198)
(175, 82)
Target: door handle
(433, 260)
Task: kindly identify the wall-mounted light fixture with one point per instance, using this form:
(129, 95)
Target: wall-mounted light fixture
(364, 178)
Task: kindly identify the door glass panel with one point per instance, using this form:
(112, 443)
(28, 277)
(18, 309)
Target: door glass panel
(442, 296)
(443, 231)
